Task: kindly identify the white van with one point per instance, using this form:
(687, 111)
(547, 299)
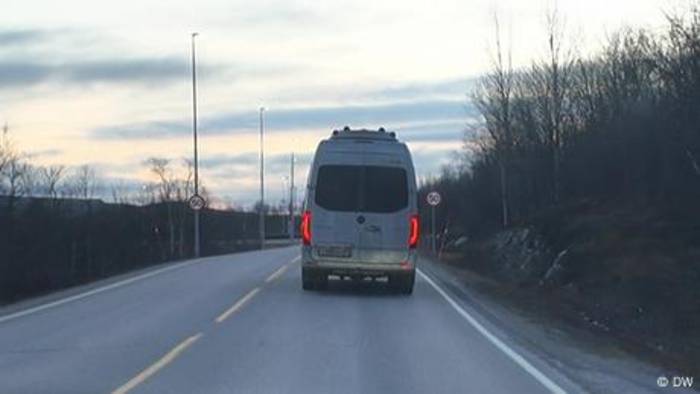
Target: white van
(360, 213)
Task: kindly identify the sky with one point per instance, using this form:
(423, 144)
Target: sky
(108, 84)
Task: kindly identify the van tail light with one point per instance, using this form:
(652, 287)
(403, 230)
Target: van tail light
(306, 228)
(414, 231)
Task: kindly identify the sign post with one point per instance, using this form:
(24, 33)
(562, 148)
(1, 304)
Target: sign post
(433, 200)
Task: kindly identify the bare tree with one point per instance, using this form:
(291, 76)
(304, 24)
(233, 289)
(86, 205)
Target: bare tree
(548, 84)
(31, 180)
(680, 72)
(166, 191)
(14, 171)
(493, 98)
(51, 176)
(119, 192)
(83, 183)
(6, 150)
(174, 187)
(183, 189)
(12, 166)
(145, 194)
(166, 182)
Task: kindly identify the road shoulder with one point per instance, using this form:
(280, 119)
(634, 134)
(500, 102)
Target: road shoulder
(589, 362)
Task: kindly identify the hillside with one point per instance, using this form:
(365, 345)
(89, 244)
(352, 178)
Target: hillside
(629, 272)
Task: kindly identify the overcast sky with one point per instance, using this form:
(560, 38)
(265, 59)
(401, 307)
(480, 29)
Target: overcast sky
(108, 83)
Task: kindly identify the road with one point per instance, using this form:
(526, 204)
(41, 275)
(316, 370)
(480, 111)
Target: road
(241, 324)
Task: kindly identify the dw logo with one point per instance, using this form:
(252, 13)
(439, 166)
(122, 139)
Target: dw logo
(676, 381)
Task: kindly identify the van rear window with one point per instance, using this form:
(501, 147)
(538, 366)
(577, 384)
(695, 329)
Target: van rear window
(375, 189)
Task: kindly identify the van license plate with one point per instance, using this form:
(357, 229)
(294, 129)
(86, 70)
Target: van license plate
(334, 251)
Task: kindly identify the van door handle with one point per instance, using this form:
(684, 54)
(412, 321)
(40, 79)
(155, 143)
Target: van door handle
(373, 229)
(360, 219)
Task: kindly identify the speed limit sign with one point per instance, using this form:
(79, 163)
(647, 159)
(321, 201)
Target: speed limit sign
(433, 198)
(197, 202)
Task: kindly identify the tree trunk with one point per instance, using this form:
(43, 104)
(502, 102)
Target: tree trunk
(171, 230)
(504, 193)
(556, 187)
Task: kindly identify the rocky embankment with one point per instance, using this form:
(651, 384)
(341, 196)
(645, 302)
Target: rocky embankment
(632, 274)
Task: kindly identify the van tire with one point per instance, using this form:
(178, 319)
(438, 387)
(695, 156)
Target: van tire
(403, 283)
(307, 280)
(313, 279)
(308, 284)
(322, 281)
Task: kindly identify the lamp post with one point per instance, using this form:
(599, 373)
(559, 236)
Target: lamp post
(291, 200)
(196, 158)
(262, 181)
(284, 202)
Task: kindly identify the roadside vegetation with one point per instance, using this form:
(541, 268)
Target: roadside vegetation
(580, 183)
(55, 232)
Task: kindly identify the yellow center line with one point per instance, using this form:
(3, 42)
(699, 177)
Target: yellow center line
(277, 273)
(158, 365)
(238, 305)
(182, 346)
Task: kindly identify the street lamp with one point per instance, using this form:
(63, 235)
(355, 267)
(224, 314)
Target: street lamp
(291, 199)
(262, 182)
(196, 158)
(283, 203)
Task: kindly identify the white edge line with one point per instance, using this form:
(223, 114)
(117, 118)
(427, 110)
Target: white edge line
(238, 305)
(89, 293)
(520, 360)
(158, 365)
(278, 272)
(281, 270)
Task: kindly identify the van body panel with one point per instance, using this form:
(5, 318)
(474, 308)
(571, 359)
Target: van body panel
(361, 193)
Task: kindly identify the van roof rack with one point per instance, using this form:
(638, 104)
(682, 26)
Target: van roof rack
(379, 134)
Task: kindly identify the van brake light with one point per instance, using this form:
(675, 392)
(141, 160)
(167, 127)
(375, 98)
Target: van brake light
(414, 231)
(306, 228)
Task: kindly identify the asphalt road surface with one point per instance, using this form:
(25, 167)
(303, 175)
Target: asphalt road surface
(241, 324)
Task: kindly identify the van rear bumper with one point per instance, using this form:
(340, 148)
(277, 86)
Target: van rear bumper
(357, 267)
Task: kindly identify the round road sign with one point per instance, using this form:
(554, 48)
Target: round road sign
(433, 198)
(197, 202)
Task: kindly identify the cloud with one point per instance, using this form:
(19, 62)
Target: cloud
(430, 161)
(432, 135)
(14, 74)
(147, 71)
(273, 162)
(280, 163)
(420, 90)
(366, 115)
(24, 36)
(217, 161)
(438, 131)
(41, 58)
(45, 153)
(372, 115)
(284, 13)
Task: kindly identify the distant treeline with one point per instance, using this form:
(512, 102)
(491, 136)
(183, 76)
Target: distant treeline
(620, 125)
(47, 244)
(54, 233)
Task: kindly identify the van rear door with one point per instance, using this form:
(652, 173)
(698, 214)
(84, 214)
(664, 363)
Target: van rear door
(336, 195)
(361, 208)
(385, 202)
